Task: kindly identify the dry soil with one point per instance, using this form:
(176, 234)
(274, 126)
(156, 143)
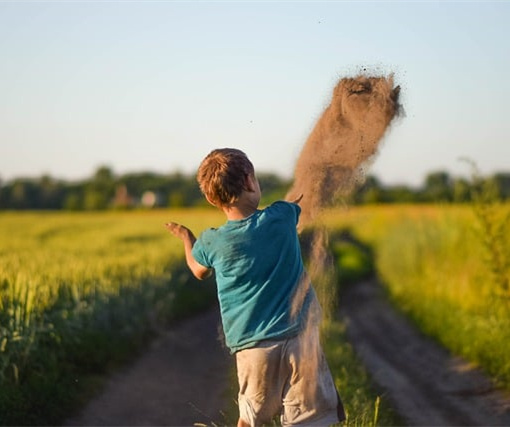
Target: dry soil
(182, 380)
(426, 384)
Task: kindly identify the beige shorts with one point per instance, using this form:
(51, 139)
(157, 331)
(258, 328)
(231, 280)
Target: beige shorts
(290, 378)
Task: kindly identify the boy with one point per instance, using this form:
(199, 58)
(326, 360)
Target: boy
(269, 311)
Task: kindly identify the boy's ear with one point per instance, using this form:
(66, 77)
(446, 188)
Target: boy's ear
(249, 182)
(210, 201)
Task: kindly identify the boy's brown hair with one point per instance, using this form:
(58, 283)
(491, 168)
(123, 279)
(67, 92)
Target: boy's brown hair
(222, 175)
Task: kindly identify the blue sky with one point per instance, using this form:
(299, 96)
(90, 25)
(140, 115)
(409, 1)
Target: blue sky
(157, 85)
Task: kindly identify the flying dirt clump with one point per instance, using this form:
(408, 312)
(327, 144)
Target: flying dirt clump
(343, 142)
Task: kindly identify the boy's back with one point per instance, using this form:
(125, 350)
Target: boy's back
(258, 266)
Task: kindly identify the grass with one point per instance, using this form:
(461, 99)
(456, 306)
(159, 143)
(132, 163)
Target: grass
(80, 294)
(364, 404)
(437, 269)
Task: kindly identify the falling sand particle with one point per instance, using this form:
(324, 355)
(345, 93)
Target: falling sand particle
(343, 142)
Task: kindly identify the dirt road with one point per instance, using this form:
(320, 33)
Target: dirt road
(180, 381)
(183, 378)
(426, 385)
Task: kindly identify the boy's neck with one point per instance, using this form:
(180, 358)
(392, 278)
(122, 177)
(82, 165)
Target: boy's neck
(247, 203)
(235, 212)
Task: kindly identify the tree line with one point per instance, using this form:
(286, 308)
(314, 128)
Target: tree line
(106, 190)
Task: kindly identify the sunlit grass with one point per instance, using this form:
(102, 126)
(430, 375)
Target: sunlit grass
(432, 260)
(80, 292)
(77, 247)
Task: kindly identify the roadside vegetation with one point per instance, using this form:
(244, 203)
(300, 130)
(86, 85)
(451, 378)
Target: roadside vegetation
(364, 404)
(81, 294)
(447, 268)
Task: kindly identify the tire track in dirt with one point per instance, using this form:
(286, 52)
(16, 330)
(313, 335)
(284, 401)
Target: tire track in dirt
(181, 380)
(425, 384)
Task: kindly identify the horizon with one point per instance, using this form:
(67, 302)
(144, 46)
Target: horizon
(117, 174)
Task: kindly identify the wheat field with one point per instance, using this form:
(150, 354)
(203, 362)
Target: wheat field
(79, 291)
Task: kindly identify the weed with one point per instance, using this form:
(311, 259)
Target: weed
(493, 230)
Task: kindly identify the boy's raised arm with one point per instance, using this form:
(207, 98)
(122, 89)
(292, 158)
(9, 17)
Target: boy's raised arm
(188, 239)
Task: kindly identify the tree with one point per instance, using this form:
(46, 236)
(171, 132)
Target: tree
(273, 187)
(51, 193)
(502, 182)
(24, 194)
(100, 190)
(438, 187)
(461, 190)
(371, 191)
(72, 202)
(402, 194)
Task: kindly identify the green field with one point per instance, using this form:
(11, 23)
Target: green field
(448, 269)
(79, 293)
(83, 292)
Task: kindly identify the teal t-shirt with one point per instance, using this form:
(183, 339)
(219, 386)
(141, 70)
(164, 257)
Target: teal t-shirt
(258, 267)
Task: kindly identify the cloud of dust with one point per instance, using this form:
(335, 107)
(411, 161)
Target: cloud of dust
(343, 142)
(332, 162)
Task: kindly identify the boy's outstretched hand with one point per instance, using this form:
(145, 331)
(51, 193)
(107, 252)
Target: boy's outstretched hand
(188, 239)
(180, 231)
